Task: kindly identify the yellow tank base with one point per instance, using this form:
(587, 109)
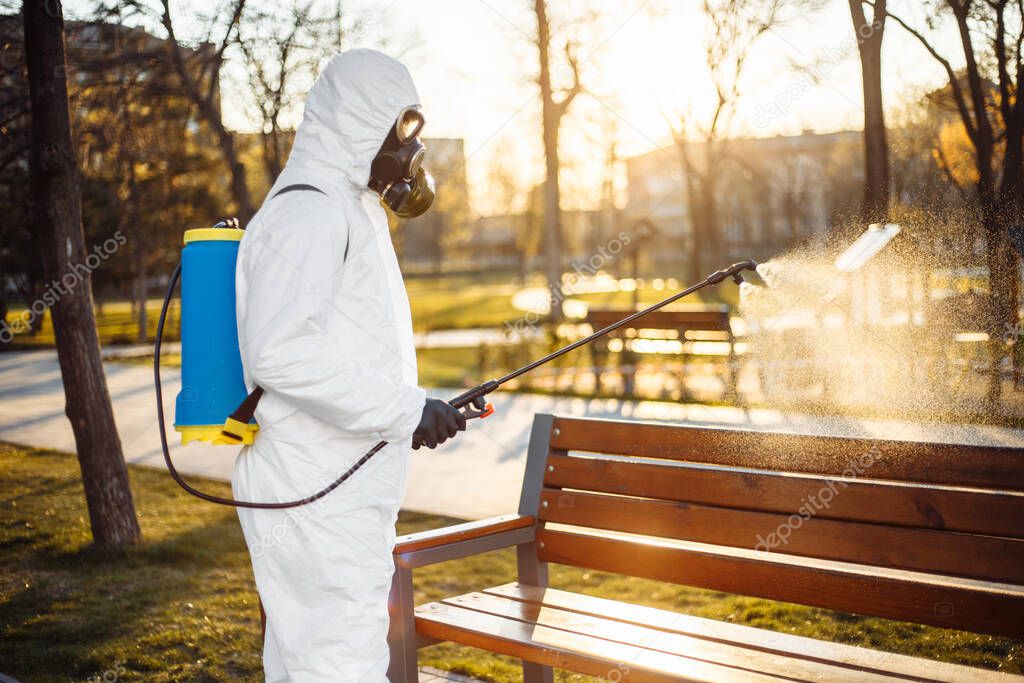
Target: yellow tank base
(214, 434)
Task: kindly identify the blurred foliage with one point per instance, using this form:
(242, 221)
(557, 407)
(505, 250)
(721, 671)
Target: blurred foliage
(145, 161)
(953, 152)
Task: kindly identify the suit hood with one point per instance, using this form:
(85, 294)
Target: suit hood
(349, 111)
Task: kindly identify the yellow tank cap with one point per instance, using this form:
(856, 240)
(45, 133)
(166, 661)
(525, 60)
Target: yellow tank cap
(213, 235)
(212, 434)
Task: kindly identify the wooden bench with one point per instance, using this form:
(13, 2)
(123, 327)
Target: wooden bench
(917, 532)
(685, 325)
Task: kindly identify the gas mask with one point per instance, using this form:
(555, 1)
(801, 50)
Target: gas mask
(397, 173)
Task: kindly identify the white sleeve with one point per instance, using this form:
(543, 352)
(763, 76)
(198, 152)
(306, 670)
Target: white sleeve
(289, 284)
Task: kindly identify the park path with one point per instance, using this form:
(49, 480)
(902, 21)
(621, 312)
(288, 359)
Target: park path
(476, 475)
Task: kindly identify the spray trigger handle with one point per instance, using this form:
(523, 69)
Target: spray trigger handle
(482, 408)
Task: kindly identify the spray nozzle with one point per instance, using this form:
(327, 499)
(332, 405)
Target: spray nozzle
(734, 271)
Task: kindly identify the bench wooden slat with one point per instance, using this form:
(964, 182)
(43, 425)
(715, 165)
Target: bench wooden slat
(922, 550)
(565, 650)
(958, 465)
(752, 637)
(460, 532)
(604, 626)
(893, 594)
(950, 509)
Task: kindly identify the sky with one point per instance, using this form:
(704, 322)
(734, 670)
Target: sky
(642, 63)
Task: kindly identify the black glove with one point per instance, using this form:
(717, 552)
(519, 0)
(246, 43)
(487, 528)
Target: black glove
(439, 422)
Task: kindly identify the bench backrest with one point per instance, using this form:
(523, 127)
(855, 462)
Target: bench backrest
(705, 319)
(921, 532)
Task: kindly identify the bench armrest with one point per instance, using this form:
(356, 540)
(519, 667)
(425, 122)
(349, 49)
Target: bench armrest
(462, 540)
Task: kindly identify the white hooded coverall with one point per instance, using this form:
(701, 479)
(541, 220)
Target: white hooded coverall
(329, 338)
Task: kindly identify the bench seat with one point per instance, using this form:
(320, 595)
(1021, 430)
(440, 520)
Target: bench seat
(584, 633)
(683, 324)
(925, 533)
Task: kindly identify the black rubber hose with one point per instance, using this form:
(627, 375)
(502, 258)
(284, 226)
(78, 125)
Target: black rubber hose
(460, 401)
(167, 452)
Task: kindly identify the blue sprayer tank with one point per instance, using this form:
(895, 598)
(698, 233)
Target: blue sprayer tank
(211, 365)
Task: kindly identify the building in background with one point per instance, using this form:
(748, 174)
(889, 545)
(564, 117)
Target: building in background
(771, 193)
(514, 241)
(496, 243)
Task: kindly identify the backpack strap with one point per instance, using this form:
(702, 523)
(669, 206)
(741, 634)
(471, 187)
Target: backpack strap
(236, 426)
(298, 187)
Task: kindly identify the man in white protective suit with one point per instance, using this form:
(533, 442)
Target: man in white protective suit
(324, 328)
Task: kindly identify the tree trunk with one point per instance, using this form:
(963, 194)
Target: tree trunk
(550, 119)
(31, 293)
(57, 217)
(1003, 294)
(875, 204)
(4, 304)
(553, 243)
(999, 213)
(272, 154)
(138, 253)
(693, 204)
(142, 332)
(1000, 283)
(714, 240)
(226, 142)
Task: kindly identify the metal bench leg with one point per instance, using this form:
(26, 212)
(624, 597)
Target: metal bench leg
(684, 390)
(628, 361)
(532, 571)
(535, 573)
(537, 673)
(403, 667)
(597, 356)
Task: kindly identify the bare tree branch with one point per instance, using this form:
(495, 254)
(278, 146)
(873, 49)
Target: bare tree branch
(209, 109)
(957, 90)
(576, 88)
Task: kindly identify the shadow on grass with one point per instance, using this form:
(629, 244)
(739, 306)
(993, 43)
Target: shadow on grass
(179, 606)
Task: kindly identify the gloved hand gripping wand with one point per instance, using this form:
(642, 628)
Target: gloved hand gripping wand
(471, 402)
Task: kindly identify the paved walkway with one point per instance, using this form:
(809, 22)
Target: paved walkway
(476, 475)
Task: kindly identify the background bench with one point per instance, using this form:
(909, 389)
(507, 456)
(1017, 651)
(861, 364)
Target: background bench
(924, 533)
(687, 325)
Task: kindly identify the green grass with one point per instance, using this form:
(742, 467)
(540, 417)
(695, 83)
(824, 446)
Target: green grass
(461, 302)
(115, 324)
(182, 605)
(455, 367)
